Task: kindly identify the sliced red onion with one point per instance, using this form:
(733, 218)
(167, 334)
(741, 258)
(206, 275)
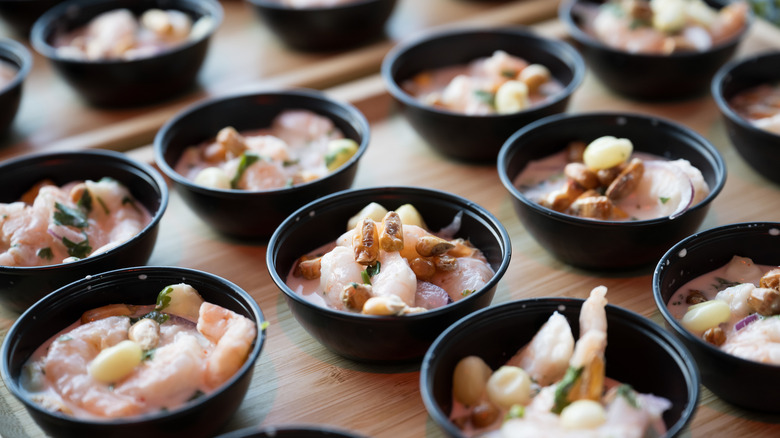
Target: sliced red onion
(680, 178)
(450, 230)
(746, 321)
(53, 234)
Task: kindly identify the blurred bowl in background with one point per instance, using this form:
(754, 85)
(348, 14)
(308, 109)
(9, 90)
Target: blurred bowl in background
(13, 56)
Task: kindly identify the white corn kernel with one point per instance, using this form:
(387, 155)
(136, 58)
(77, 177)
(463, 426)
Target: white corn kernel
(511, 97)
(668, 15)
(339, 152)
(509, 386)
(583, 414)
(606, 152)
(469, 380)
(213, 177)
(114, 363)
(706, 315)
(372, 211)
(410, 216)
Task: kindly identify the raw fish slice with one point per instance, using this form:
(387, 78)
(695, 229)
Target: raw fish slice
(430, 296)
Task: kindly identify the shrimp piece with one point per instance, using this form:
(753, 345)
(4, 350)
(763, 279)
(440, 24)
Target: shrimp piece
(297, 127)
(462, 95)
(261, 175)
(337, 270)
(730, 21)
(111, 34)
(66, 364)
(502, 66)
(395, 277)
(269, 146)
(593, 316)
(737, 298)
(233, 335)
(547, 356)
(472, 274)
(759, 341)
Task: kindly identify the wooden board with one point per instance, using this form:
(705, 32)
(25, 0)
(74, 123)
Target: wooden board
(296, 380)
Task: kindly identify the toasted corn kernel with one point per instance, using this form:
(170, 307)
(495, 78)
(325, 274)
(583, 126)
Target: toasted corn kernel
(695, 297)
(581, 175)
(365, 243)
(445, 263)
(714, 336)
(107, 311)
(233, 142)
(422, 268)
(771, 280)
(429, 246)
(355, 295)
(534, 75)
(594, 207)
(764, 301)
(484, 414)
(562, 200)
(606, 176)
(145, 333)
(384, 305)
(574, 151)
(627, 181)
(308, 268)
(392, 236)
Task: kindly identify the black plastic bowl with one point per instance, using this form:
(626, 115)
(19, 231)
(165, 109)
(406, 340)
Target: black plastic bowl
(290, 431)
(371, 338)
(648, 76)
(639, 352)
(476, 137)
(758, 147)
(326, 28)
(20, 287)
(745, 383)
(121, 83)
(254, 213)
(17, 56)
(21, 14)
(140, 285)
(608, 245)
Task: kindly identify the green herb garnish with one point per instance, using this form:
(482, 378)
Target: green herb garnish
(78, 250)
(626, 391)
(508, 74)
(722, 283)
(366, 278)
(374, 269)
(516, 411)
(154, 315)
(198, 394)
(264, 325)
(664, 199)
(128, 200)
(288, 163)
(485, 96)
(64, 338)
(85, 202)
(163, 298)
(564, 388)
(105, 207)
(467, 292)
(45, 253)
(64, 215)
(148, 354)
(247, 159)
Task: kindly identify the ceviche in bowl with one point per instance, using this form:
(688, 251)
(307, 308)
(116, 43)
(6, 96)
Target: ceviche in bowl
(135, 351)
(67, 215)
(656, 49)
(718, 291)
(559, 367)
(375, 274)
(610, 190)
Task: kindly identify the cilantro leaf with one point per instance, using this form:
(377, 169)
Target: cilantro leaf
(64, 215)
(79, 250)
(247, 159)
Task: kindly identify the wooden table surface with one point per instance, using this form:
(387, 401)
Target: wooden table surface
(296, 380)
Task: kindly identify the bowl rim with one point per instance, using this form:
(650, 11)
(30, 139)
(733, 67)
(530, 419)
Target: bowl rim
(322, 203)
(119, 157)
(724, 73)
(683, 358)
(11, 48)
(204, 105)
(664, 262)
(578, 67)
(41, 25)
(290, 431)
(565, 14)
(277, 5)
(61, 293)
(508, 147)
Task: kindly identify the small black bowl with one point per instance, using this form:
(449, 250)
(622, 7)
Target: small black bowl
(20, 287)
(289, 431)
(607, 245)
(328, 27)
(470, 137)
(639, 352)
(254, 213)
(21, 14)
(758, 147)
(647, 76)
(386, 339)
(745, 383)
(17, 56)
(140, 285)
(122, 83)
